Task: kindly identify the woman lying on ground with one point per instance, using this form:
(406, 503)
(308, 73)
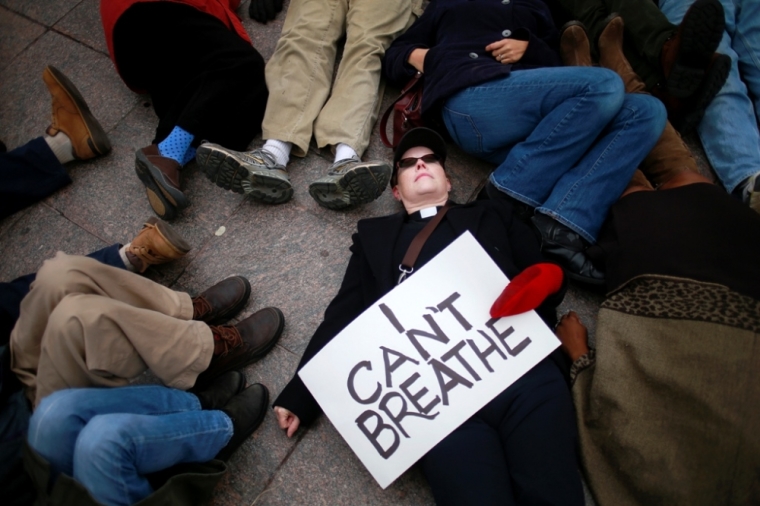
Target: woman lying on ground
(521, 447)
(565, 140)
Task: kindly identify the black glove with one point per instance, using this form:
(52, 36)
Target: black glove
(264, 10)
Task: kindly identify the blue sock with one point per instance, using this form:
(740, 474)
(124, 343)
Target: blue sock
(189, 155)
(176, 144)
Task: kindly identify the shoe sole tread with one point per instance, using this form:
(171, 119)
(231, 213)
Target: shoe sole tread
(163, 208)
(702, 30)
(358, 186)
(173, 195)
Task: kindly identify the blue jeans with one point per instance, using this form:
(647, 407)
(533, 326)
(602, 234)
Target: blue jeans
(729, 129)
(566, 139)
(108, 439)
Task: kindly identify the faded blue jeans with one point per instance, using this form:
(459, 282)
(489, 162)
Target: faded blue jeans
(566, 139)
(108, 439)
(729, 128)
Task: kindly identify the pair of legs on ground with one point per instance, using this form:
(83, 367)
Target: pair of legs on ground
(519, 449)
(304, 102)
(205, 82)
(35, 170)
(566, 142)
(108, 440)
(732, 147)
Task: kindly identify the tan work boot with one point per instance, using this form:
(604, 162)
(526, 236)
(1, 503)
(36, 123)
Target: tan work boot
(611, 55)
(574, 47)
(157, 243)
(72, 117)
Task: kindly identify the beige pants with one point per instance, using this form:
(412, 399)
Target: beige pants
(84, 323)
(300, 72)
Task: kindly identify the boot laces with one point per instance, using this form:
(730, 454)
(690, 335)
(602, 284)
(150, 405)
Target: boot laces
(228, 336)
(201, 307)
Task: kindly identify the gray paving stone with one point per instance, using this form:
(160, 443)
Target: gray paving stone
(25, 101)
(83, 24)
(323, 470)
(46, 12)
(37, 236)
(16, 33)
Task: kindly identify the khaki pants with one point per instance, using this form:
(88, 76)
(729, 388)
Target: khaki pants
(85, 323)
(300, 72)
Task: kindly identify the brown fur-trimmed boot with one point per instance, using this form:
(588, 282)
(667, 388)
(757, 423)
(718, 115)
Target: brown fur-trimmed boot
(574, 47)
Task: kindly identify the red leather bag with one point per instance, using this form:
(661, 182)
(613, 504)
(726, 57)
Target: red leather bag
(406, 110)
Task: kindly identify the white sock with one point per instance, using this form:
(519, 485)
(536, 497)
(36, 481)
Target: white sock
(344, 151)
(123, 255)
(279, 149)
(61, 146)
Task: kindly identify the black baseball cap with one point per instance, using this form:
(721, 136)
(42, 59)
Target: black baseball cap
(417, 137)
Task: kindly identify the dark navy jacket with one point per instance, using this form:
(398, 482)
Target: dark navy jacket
(457, 32)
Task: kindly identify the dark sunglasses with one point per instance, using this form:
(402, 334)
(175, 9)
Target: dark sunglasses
(405, 163)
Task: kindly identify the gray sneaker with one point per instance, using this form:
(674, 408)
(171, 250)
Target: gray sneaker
(255, 173)
(350, 183)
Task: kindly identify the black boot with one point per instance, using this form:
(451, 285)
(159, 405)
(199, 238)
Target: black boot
(221, 391)
(520, 210)
(247, 410)
(568, 248)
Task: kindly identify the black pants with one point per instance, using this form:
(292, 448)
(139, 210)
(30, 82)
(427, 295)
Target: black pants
(200, 75)
(521, 448)
(28, 174)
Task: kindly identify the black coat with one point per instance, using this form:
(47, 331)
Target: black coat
(457, 32)
(371, 274)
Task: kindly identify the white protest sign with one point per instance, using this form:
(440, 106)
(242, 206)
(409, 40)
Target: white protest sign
(423, 359)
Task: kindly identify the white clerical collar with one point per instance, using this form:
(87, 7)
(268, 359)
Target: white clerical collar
(428, 212)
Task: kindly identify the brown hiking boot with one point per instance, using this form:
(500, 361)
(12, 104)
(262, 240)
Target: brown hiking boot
(160, 175)
(222, 301)
(611, 55)
(157, 243)
(687, 54)
(574, 47)
(72, 117)
(239, 345)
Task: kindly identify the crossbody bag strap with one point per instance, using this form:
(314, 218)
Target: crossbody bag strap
(407, 264)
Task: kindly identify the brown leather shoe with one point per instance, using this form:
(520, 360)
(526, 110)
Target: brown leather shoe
(222, 301)
(687, 54)
(245, 343)
(157, 243)
(160, 175)
(72, 117)
(611, 55)
(574, 47)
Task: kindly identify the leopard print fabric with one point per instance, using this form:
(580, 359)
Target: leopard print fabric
(684, 299)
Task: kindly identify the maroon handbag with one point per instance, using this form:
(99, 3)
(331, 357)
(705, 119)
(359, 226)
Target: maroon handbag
(407, 112)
